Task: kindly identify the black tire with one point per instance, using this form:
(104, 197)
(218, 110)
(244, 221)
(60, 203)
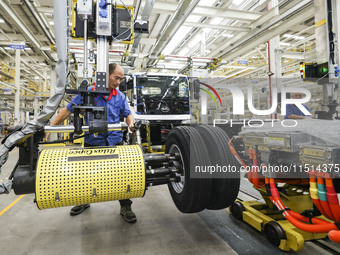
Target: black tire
(274, 233)
(189, 195)
(237, 210)
(224, 190)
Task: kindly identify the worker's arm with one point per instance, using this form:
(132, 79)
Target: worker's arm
(130, 121)
(61, 116)
(293, 116)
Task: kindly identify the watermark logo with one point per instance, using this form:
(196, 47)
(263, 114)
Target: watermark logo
(213, 90)
(239, 101)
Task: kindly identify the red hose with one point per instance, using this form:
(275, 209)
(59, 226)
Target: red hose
(332, 199)
(318, 228)
(334, 235)
(317, 201)
(293, 181)
(238, 158)
(258, 181)
(325, 204)
(305, 219)
(233, 151)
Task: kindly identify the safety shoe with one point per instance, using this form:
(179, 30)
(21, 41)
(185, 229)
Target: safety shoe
(78, 209)
(128, 215)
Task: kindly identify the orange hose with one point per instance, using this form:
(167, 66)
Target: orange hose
(305, 219)
(318, 205)
(293, 181)
(317, 201)
(250, 173)
(255, 176)
(334, 235)
(319, 228)
(238, 158)
(332, 199)
(325, 204)
(233, 151)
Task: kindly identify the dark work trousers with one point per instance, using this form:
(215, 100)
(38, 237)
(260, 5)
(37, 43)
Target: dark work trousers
(122, 202)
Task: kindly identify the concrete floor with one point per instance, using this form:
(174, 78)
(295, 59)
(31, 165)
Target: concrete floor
(160, 228)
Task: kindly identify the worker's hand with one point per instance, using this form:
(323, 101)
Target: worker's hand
(47, 136)
(131, 128)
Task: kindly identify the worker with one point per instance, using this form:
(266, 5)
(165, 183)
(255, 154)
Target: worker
(293, 112)
(117, 107)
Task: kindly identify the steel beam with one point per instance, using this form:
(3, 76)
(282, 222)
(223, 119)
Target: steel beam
(70, 128)
(169, 7)
(206, 25)
(19, 24)
(184, 9)
(290, 18)
(23, 61)
(145, 16)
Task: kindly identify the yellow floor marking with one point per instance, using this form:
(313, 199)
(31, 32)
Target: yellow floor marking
(8, 207)
(14, 151)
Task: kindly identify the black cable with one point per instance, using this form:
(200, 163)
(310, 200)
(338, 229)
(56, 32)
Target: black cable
(67, 140)
(127, 30)
(330, 32)
(337, 224)
(284, 210)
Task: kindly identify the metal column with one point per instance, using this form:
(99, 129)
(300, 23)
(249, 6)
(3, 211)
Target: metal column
(17, 118)
(36, 107)
(45, 82)
(322, 41)
(274, 59)
(53, 80)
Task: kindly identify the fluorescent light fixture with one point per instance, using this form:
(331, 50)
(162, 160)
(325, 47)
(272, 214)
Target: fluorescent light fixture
(2, 21)
(296, 37)
(228, 35)
(285, 44)
(76, 44)
(51, 23)
(206, 3)
(192, 44)
(238, 2)
(193, 18)
(176, 39)
(216, 21)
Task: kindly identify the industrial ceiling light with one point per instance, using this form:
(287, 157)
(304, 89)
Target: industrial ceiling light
(296, 37)
(238, 2)
(228, 35)
(285, 44)
(2, 20)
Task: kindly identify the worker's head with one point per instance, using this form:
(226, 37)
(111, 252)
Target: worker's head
(298, 95)
(116, 74)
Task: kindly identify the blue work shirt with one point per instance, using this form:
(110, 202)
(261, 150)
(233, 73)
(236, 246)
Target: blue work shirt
(292, 109)
(116, 107)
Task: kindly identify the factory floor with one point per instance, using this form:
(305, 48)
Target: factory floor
(160, 228)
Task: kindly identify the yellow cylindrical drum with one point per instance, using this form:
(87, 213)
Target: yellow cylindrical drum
(75, 176)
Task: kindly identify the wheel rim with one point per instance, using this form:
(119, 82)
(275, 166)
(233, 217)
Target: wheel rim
(274, 233)
(178, 186)
(237, 210)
